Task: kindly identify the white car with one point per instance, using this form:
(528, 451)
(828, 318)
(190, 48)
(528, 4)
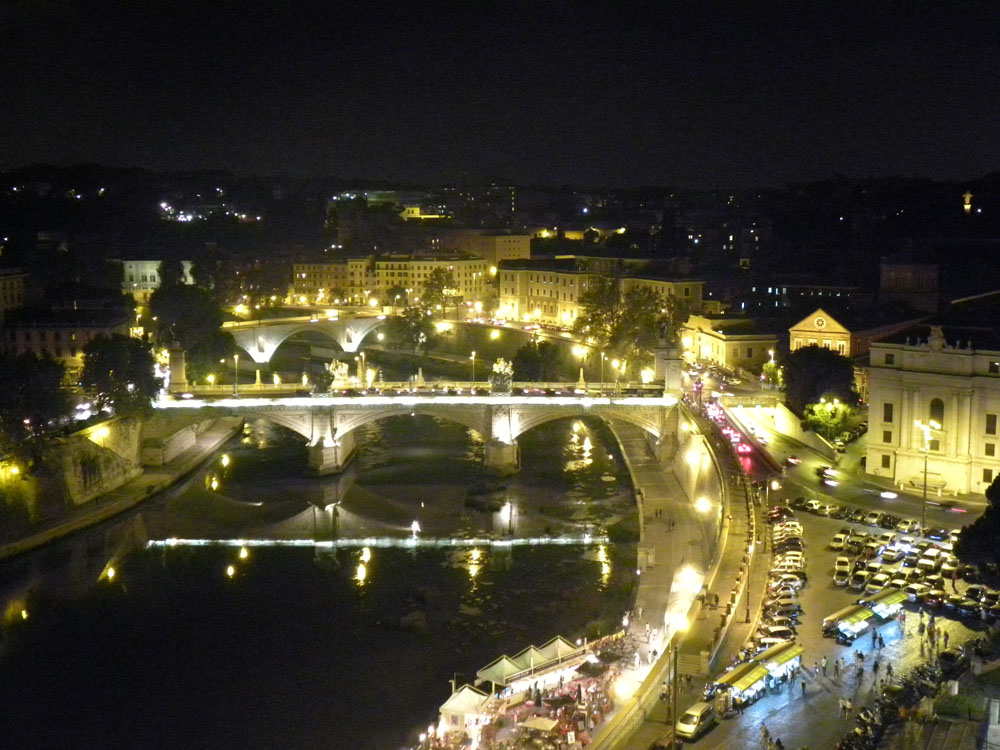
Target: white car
(876, 583)
(793, 526)
(887, 538)
(909, 526)
(859, 580)
(812, 505)
(838, 542)
(788, 579)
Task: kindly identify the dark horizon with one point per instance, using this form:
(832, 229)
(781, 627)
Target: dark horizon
(699, 95)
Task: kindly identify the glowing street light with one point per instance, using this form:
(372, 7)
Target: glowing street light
(473, 358)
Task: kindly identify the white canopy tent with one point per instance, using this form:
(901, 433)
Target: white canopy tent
(463, 709)
(499, 671)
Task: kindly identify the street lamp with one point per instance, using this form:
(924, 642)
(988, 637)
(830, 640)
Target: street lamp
(925, 448)
(603, 357)
(473, 358)
(236, 374)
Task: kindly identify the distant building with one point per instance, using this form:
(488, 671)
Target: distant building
(141, 278)
(948, 375)
(730, 341)
(61, 334)
(361, 280)
(12, 281)
(849, 334)
(492, 247)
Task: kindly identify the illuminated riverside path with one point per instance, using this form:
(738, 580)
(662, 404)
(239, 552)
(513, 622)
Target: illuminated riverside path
(328, 422)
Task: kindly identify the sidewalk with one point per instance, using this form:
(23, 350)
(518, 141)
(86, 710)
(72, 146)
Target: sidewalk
(129, 494)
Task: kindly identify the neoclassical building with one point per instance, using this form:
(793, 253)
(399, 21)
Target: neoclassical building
(947, 379)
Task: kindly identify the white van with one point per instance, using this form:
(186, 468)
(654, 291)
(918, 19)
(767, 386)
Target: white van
(931, 560)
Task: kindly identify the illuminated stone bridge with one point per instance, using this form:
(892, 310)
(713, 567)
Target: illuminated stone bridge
(260, 338)
(328, 423)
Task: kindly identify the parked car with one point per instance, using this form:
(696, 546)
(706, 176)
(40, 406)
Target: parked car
(697, 720)
(841, 577)
(873, 518)
(859, 580)
(877, 583)
(915, 591)
(857, 515)
(953, 662)
(889, 521)
(908, 526)
(813, 506)
(937, 534)
(838, 542)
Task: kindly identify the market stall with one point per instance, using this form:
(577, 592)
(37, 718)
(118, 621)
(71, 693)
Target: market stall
(463, 713)
(854, 624)
(781, 661)
(886, 604)
(741, 685)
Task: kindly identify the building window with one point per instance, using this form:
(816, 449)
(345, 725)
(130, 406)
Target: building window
(749, 352)
(991, 424)
(994, 368)
(890, 359)
(886, 461)
(988, 476)
(934, 444)
(887, 413)
(937, 410)
(887, 436)
(990, 449)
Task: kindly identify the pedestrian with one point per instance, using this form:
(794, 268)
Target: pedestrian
(848, 707)
(778, 745)
(875, 667)
(836, 669)
(946, 639)
(888, 671)
(841, 703)
(874, 638)
(815, 669)
(765, 735)
(920, 629)
(803, 687)
(861, 658)
(822, 664)
(921, 614)
(881, 641)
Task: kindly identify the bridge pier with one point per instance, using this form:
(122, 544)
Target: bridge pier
(502, 458)
(331, 456)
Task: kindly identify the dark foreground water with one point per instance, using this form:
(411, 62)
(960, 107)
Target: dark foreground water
(302, 647)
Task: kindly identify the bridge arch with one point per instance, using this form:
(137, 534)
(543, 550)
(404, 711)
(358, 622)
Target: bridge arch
(474, 420)
(529, 420)
(261, 339)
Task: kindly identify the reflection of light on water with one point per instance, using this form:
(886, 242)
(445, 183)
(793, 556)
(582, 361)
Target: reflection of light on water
(214, 484)
(475, 555)
(587, 445)
(244, 553)
(473, 570)
(230, 571)
(602, 554)
(361, 574)
(366, 554)
(224, 460)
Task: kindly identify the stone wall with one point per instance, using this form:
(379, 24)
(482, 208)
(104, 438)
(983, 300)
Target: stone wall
(89, 463)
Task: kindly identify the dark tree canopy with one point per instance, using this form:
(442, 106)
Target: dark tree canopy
(628, 324)
(434, 291)
(411, 329)
(118, 374)
(978, 543)
(171, 273)
(190, 317)
(32, 398)
(814, 372)
(536, 361)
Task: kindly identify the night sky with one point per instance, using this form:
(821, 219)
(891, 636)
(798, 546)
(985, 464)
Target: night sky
(694, 94)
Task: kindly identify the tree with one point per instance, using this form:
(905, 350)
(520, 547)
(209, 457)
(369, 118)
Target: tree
(626, 325)
(171, 272)
(977, 544)
(536, 361)
(32, 401)
(118, 374)
(829, 417)
(411, 329)
(203, 273)
(814, 372)
(396, 296)
(190, 317)
(437, 289)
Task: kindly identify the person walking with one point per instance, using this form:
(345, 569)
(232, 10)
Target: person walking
(836, 669)
(822, 664)
(874, 638)
(848, 707)
(843, 707)
(815, 669)
(888, 671)
(803, 687)
(945, 636)
(875, 667)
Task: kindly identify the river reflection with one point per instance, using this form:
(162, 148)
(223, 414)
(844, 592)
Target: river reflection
(110, 643)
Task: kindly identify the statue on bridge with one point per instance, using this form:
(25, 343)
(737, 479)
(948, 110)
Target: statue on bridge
(502, 375)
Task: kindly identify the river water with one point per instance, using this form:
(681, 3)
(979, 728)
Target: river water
(306, 646)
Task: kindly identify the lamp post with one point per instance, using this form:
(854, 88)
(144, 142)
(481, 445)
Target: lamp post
(473, 358)
(925, 448)
(236, 374)
(673, 691)
(603, 357)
